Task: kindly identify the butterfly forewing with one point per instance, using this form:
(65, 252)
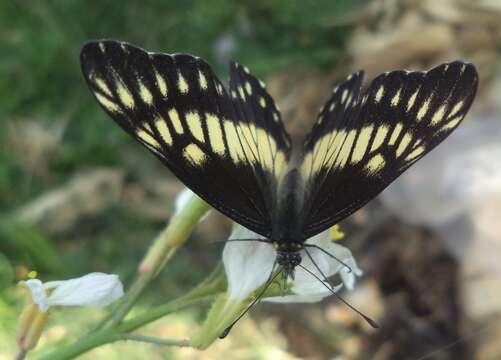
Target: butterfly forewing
(401, 116)
(178, 109)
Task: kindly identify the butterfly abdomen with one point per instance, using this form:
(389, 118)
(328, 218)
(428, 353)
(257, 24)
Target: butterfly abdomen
(287, 223)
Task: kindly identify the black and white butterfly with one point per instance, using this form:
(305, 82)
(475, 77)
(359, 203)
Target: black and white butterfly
(231, 148)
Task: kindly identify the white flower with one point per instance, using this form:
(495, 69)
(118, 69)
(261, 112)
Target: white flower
(248, 265)
(92, 290)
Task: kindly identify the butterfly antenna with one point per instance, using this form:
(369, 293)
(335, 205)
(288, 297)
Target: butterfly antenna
(371, 322)
(331, 255)
(270, 280)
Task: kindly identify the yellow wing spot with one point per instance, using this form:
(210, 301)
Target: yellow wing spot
(446, 67)
(423, 109)
(262, 102)
(241, 92)
(320, 152)
(101, 84)
(463, 67)
(262, 84)
(452, 123)
(306, 165)
(349, 77)
(456, 109)
(163, 130)
(376, 163)
(406, 140)
(280, 164)
(174, 118)
(364, 100)
(248, 88)
(233, 94)
(246, 69)
(275, 117)
(396, 98)
(412, 100)
(438, 116)
(344, 95)
(215, 134)
(102, 47)
(379, 138)
(145, 94)
(348, 102)
(162, 86)
(335, 89)
(195, 125)
(337, 137)
(396, 132)
(194, 154)
(202, 81)
(182, 85)
(265, 145)
(219, 89)
(345, 150)
(234, 146)
(362, 143)
(124, 94)
(108, 104)
(379, 94)
(249, 146)
(415, 153)
(147, 138)
(331, 108)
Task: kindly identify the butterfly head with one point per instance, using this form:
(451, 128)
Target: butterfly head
(288, 259)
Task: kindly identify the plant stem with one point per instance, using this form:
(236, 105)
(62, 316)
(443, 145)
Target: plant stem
(156, 341)
(21, 355)
(162, 249)
(110, 335)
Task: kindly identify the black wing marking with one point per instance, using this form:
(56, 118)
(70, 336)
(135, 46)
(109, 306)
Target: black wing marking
(178, 109)
(401, 117)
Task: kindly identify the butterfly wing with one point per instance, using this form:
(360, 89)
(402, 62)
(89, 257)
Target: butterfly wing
(176, 107)
(354, 154)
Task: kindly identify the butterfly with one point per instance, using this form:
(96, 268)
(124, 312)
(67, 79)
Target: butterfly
(230, 147)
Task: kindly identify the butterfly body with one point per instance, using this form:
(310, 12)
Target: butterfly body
(230, 146)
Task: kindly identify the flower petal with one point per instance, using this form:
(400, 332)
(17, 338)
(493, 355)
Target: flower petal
(248, 264)
(94, 290)
(38, 294)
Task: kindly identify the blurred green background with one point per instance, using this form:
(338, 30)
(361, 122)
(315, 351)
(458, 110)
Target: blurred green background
(78, 195)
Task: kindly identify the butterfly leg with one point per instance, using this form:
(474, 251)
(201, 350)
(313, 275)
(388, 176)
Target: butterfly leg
(328, 254)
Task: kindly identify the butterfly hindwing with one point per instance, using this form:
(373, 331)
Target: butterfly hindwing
(401, 116)
(261, 131)
(178, 109)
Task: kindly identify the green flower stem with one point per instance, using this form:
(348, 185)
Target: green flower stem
(174, 235)
(162, 249)
(155, 341)
(214, 284)
(224, 311)
(110, 335)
